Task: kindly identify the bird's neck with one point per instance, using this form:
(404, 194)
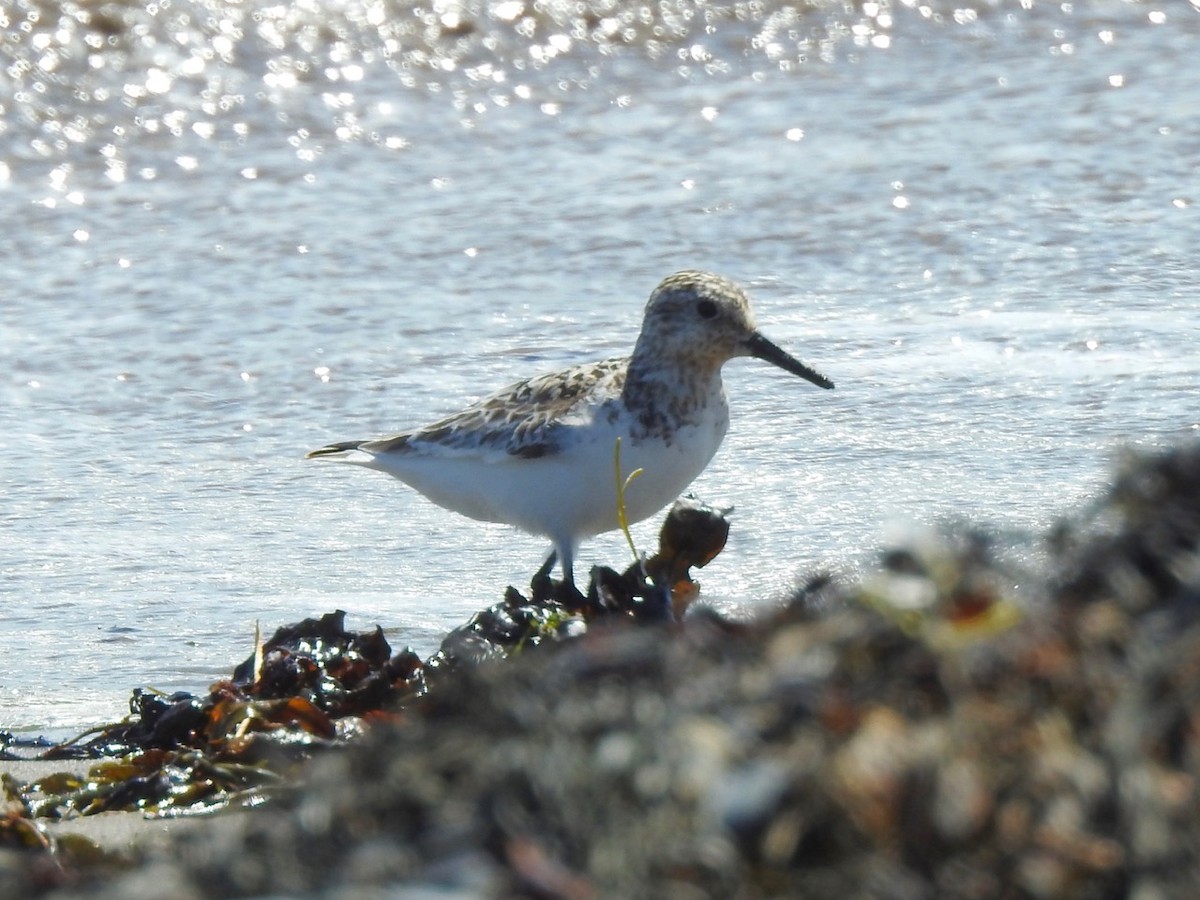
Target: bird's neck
(661, 397)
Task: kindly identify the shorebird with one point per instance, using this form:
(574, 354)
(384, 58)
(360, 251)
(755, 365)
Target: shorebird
(539, 453)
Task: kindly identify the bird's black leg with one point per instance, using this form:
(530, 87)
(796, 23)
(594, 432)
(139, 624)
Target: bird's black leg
(541, 586)
(567, 593)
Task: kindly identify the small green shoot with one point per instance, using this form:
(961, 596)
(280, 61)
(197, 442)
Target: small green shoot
(622, 487)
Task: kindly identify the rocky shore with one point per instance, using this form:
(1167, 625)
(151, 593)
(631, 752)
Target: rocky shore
(941, 727)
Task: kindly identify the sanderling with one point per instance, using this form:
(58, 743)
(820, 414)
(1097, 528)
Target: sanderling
(539, 454)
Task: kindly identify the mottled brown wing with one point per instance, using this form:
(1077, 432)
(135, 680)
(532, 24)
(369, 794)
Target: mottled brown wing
(525, 419)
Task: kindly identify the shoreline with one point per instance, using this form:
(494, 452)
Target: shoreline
(922, 732)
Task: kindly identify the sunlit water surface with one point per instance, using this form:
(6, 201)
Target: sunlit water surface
(237, 232)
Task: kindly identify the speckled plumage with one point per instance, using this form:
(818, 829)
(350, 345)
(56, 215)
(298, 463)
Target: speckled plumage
(525, 419)
(538, 454)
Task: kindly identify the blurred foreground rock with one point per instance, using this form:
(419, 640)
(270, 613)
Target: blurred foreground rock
(945, 728)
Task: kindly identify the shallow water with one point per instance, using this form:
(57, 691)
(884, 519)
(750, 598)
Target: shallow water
(234, 235)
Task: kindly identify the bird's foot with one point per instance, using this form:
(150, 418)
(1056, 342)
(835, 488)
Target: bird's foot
(545, 589)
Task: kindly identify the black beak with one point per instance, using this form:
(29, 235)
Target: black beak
(761, 348)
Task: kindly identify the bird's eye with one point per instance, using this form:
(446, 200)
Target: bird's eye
(707, 309)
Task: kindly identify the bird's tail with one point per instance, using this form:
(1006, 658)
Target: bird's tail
(342, 451)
